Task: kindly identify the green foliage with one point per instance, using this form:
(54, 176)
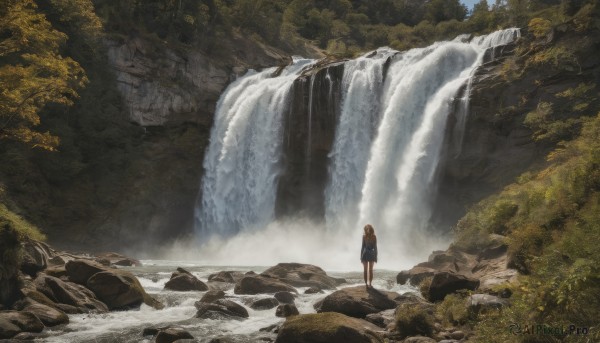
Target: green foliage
(424, 286)
(557, 57)
(490, 216)
(580, 97)
(24, 229)
(19, 227)
(540, 27)
(414, 319)
(342, 27)
(442, 10)
(553, 237)
(547, 123)
(580, 92)
(32, 73)
(453, 310)
(511, 69)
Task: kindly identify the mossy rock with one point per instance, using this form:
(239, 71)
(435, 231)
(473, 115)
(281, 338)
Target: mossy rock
(414, 319)
(328, 327)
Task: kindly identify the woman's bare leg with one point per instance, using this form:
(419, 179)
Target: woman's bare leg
(371, 273)
(365, 272)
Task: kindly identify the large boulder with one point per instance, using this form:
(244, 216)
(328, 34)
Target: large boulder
(284, 297)
(220, 309)
(7, 328)
(15, 322)
(167, 334)
(182, 280)
(327, 327)
(444, 283)
(35, 257)
(452, 260)
(172, 334)
(261, 284)
(58, 291)
(233, 307)
(415, 275)
(212, 296)
(48, 315)
(490, 265)
(80, 270)
(264, 304)
(303, 275)
(119, 289)
(31, 296)
(358, 301)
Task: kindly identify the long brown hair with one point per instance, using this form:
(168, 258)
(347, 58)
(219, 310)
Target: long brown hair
(369, 233)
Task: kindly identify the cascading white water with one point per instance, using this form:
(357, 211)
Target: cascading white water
(310, 120)
(362, 83)
(398, 180)
(241, 164)
(382, 163)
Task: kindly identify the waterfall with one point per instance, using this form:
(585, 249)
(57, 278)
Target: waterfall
(362, 83)
(395, 170)
(310, 115)
(241, 163)
(391, 111)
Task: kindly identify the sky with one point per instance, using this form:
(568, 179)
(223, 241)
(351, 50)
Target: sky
(470, 3)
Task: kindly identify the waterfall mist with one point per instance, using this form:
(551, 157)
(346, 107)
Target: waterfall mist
(382, 165)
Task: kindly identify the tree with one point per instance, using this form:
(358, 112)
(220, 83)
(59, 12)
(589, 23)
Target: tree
(481, 7)
(441, 10)
(32, 73)
(480, 17)
(517, 11)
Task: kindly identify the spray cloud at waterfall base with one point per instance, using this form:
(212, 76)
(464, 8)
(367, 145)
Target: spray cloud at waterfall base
(300, 241)
(381, 164)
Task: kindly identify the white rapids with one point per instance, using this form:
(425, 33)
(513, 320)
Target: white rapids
(127, 326)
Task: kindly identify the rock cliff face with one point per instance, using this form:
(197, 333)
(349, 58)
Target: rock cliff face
(308, 138)
(172, 93)
(496, 145)
(163, 87)
(479, 158)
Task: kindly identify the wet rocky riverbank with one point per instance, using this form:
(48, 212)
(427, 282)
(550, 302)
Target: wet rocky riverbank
(65, 297)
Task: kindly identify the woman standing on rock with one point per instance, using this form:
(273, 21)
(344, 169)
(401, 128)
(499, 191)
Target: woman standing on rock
(368, 253)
